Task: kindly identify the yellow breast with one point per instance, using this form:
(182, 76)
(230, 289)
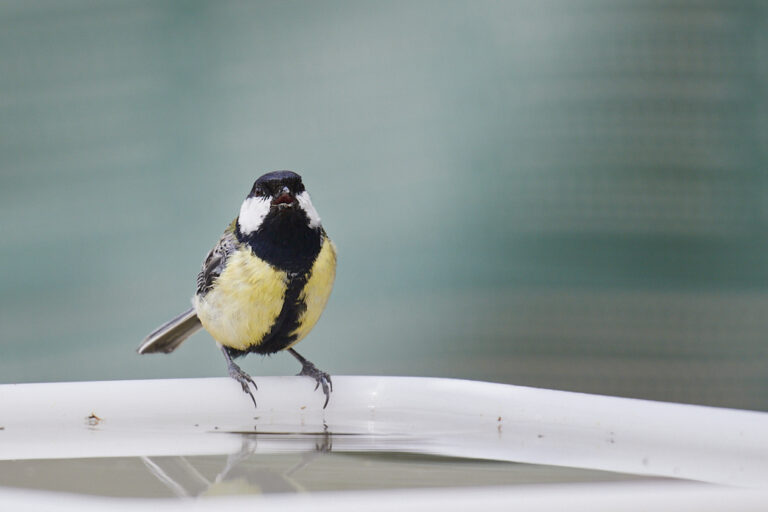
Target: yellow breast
(317, 290)
(244, 303)
(248, 296)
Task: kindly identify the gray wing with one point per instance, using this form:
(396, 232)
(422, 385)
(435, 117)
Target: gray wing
(216, 260)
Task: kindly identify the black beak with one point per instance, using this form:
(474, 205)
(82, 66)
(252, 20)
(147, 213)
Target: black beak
(284, 198)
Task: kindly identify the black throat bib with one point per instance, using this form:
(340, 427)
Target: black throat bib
(285, 241)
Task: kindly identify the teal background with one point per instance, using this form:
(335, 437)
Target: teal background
(566, 194)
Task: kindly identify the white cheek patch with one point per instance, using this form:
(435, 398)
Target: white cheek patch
(305, 203)
(252, 213)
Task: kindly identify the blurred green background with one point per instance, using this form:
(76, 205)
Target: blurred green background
(567, 194)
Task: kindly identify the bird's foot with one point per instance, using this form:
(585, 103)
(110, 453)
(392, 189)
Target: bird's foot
(238, 374)
(310, 370)
(243, 378)
(321, 379)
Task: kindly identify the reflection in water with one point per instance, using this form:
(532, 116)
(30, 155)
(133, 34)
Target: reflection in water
(184, 480)
(281, 463)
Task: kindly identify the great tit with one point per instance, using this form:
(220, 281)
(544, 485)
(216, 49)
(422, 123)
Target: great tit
(264, 284)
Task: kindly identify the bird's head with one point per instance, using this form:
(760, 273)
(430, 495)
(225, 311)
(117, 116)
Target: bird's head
(277, 196)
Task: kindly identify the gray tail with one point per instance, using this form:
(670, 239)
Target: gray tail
(171, 334)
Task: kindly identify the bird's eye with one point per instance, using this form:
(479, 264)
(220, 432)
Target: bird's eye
(257, 192)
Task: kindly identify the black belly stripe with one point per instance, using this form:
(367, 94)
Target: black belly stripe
(281, 334)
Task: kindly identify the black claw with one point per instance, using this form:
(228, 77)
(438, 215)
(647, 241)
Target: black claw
(250, 394)
(240, 376)
(310, 370)
(244, 379)
(321, 379)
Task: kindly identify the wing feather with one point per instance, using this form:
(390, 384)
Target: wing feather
(216, 261)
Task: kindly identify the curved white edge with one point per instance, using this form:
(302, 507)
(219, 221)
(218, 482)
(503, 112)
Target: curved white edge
(605, 497)
(436, 416)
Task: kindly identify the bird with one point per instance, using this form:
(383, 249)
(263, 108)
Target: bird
(264, 285)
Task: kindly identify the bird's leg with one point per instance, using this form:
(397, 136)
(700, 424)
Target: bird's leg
(239, 375)
(310, 370)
